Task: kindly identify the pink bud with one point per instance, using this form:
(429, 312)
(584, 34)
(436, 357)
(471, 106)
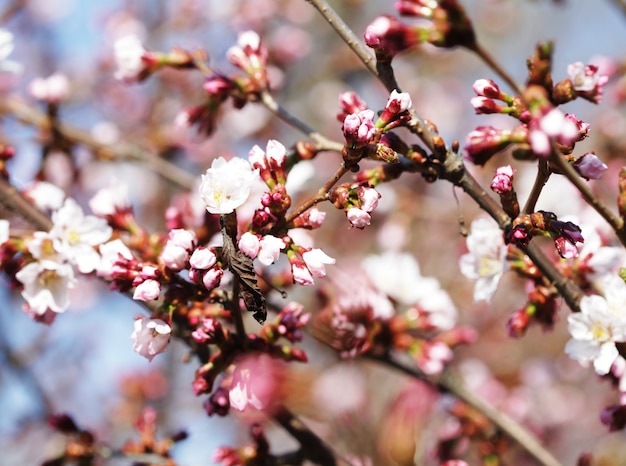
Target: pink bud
(202, 258)
(358, 218)
(503, 180)
(590, 166)
(487, 88)
(149, 290)
(249, 244)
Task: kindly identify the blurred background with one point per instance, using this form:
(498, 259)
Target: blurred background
(84, 365)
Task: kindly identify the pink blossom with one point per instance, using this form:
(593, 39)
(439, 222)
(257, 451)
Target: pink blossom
(390, 36)
(52, 89)
(433, 357)
(487, 88)
(590, 166)
(269, 251)
(350, 103)
(249, 244)
(112, 252)
(212, 278)
(129, 53)
(148, 290)
(174, 257)
(485, 105)
(485, 141)
(587, 81)
(150, 337)
(369, 198)
(358, 218)
(316, 260)
(301, 274)
(110, 200)
(202, 258)
(503, 180)
(185, 239)
(359, 128)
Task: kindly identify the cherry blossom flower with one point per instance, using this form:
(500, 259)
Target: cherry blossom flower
(150, 337)
(110, 200)
(590, 166)
(203, 258)
(485, 261)
(46, 285)
(316, 261)
(177, 250)
(129, 53)
(148, 290)
(301, 273)
(45, 196)
(350, 102)
(358, 218)
(226, 185)
(249, 244)
(587, 81)
(269, 249)
(79, 233)
(600, 324)
(112, 253)
(52, 89)
(552, 125)
(359, 128)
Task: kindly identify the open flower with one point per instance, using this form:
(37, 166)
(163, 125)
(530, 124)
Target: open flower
(485, 261)
(226, 185)
(46, 285)
(150, 337)
(600, 324)
(78, 234)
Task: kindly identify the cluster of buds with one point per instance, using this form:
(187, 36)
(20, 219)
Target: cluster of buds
(228, 356)
(449, 27)
(564, 234)
(541, 308)
(250, 55)
(357, 201)
(487, 92)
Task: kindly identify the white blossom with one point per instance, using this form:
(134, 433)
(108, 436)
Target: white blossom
(600, 324)
(150, 337)
(226, 185)
(46, 285)
(485, 261)
(79, 234)
(128, 57)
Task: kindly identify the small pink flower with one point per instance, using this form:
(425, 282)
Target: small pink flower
(270, 247)
(202, 258)
(174, 257)
(212, 278)
(587, 81)
(487, 88)
(590, 166)
(129, 58)
(185, 239)
(359, 128)
(148, 290)
(249, 244)
(369, 198)
(316, 260)
(349, 103)
(358, 218)
(503, 180)
(150, 337)
(301, 274)
(52, 89)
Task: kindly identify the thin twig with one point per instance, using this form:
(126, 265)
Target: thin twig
(451, 382)
(321, 195)
(35, 117)
(543, 174)
(342, 29)
(321, 142)
(568, 171)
